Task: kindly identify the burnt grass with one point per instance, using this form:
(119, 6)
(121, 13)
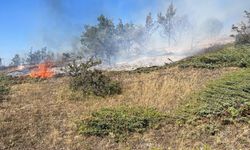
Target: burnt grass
(201, 102)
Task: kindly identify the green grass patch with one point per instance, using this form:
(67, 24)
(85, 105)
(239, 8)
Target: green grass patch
(228, 56)
(120, 122)
(7, 81)
(3, 92)
(227, 98)
(4, 86)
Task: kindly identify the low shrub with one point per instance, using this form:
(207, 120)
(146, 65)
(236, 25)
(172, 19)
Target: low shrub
(120, 122)
(91, 81)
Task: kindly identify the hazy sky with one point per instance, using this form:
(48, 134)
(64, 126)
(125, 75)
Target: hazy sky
(54, 23)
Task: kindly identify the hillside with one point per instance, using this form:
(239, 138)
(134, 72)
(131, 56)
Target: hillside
(202, 102)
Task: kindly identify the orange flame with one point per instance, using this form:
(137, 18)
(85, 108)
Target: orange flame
(43, 71)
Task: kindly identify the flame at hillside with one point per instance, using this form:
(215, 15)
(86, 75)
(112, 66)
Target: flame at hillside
(43, 71)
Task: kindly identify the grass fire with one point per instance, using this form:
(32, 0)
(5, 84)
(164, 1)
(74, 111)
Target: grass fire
(43, 71)
(166, 75)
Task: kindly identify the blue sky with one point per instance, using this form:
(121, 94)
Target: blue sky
(26, 24)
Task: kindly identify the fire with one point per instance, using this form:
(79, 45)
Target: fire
(43, 71)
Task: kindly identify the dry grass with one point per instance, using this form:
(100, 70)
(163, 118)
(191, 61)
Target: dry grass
(44, 115)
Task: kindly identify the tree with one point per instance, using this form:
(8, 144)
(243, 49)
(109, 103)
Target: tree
(150, 26)
(99, 40)
(106, 37)
(16, 60)
(1, 63)
(120, 28)
(149, 21)
(242, 30)
(167, 22)
(36, 57)
(106, 40)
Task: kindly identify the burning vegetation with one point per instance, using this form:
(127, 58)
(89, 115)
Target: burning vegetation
(43, 71)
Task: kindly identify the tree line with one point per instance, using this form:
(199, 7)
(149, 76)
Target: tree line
(107, 40)
(34, 57)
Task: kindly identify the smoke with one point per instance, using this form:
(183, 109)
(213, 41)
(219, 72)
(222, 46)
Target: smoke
(61, 34)
(198, 24)
(209, 22)
(203, 24)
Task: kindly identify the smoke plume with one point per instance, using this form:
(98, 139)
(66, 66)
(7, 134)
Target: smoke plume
(197, 24)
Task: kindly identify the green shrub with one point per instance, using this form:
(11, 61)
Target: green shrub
(120, 122)
(91, 81)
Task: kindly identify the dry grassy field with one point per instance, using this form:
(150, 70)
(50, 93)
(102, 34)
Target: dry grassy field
(43, 115)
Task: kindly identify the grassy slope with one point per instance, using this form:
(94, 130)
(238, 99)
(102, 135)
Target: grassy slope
(44, 114)
(229, 97)
(229, 56)
(226, 99)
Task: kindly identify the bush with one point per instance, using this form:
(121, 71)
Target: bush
(91, 81)
(120, 122)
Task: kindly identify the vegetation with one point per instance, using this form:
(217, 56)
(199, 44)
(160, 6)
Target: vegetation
(108, 41)
(229, 56)
(120, 122)
(3, 91)
(226, 99)
(16, 60)
(164, 89)
(36, 57)
(33, 57)
(6, 82)
(91, 81)
(200, 97)
(243, 30)
(4, 86)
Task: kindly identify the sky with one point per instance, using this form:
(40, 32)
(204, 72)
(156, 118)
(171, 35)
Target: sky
(57, 24)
